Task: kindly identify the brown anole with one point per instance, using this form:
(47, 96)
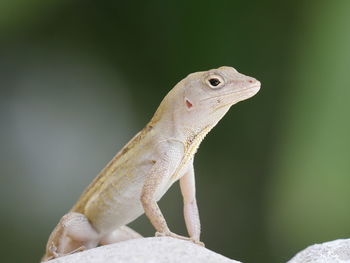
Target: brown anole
(159, 155)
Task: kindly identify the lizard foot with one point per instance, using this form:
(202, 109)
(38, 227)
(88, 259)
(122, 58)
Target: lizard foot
(79, 249)
(197, 242)
(171, 234)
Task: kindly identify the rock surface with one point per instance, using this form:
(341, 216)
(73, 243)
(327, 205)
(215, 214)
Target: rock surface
(337, 251)
(147, 250)
(171, 250)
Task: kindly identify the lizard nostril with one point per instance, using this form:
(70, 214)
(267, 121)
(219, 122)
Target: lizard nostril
(250, 81)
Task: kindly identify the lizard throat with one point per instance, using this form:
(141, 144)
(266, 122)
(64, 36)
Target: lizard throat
(191, 146)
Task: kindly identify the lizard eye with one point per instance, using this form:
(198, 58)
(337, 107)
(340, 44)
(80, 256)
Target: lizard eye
(215, 82)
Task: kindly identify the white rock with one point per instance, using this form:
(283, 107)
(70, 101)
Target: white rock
(337, 251)
(147, 250)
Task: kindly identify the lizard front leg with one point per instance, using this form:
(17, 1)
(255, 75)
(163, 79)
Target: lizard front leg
(153, 183)
(188, 190)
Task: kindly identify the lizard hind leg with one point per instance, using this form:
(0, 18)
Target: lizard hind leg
(72, 234)
(122, 233)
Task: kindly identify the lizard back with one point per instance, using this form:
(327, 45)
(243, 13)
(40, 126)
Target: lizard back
(96, 185)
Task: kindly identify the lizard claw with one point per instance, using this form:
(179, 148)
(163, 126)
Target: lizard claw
(197, 242)
(160, 234)
(79, 249)
(171, 234)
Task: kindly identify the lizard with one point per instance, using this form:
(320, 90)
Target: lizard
(162, 153)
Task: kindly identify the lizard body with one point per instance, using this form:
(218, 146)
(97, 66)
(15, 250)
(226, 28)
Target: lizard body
(140, 174)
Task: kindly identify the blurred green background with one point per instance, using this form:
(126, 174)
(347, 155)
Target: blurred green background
(79, 78)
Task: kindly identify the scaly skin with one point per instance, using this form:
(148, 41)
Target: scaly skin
(162, 153)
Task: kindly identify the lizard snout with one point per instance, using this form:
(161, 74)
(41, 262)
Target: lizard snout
(254, 82)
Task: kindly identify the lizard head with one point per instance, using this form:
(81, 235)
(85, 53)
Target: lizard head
(208, 95)
(201, 99)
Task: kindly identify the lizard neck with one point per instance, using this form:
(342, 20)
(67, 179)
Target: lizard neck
(172, 127)
(174, 121)
(191, 145)
(193, 137)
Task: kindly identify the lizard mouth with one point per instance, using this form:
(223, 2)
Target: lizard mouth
(251, 91)
(242, 94)
(247, 93)
(231, 98)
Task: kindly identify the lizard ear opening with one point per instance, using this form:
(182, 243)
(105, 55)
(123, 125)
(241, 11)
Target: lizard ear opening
(188, 103)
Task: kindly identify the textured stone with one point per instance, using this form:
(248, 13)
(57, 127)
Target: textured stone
(337, 251)
(147, 250)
